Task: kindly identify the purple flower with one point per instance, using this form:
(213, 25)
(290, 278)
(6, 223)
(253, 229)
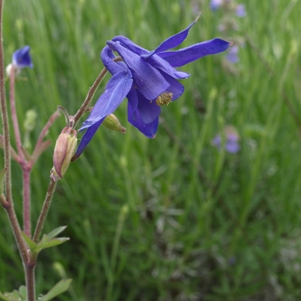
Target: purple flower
(231, 140)
(232, 55)
(21, 58)
(240, 10)
(215, 4)
(149, 80)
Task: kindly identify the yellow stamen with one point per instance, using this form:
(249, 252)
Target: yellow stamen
(164, 99)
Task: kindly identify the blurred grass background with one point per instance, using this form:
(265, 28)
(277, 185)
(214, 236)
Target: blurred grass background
(170, 218)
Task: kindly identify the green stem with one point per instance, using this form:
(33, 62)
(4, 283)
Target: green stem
(44, 211)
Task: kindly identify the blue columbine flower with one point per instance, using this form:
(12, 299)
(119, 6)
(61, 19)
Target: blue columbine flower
(215, 4)
(149, 79)
(232, 140)
(21, 58)
(240, 10)
(232, 55)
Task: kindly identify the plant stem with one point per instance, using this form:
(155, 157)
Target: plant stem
(24, 165)
(91, 93)
(44, 211)
(26, 200)
(30, 280)
(44, 131)
(14, 113)
(89, 96)
(5, 123)
(9, 206)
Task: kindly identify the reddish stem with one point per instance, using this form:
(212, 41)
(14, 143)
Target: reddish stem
(14, 113)
(26, 200)
(44, 131)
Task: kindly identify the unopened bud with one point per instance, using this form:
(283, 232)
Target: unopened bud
(111, 122)
(63, 152)
(8, 69)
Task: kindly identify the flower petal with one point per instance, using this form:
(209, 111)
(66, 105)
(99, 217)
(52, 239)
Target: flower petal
(21, 58)
(116, 90)
(149, 130)
(186, 55)
(157, 62)
(232, 147)
(127, 43)
(148, 79)
(148, 110)
(175, 87)
(107, 56)
(171, 42)
(87, 138)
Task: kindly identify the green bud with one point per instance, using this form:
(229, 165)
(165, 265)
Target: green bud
(111, 122)
(30, 120)
(63, 152)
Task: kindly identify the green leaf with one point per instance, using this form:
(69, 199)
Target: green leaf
(47, 242)
(59, 288)
(31, 244)
(56, 231)
(15, 295)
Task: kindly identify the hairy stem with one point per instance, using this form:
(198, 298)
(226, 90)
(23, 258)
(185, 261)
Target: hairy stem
(5, 124)
(30, 280)
(14, 113)
(9, 206)
(44, 211)
(26, 201)
(89, 96)
(91, 93)
(44, 131)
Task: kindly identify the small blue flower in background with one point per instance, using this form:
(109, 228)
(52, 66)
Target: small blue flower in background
(240, 10)
(231, 140)
(232, 55)
(21, 58)
(149, 80)
(215, 4)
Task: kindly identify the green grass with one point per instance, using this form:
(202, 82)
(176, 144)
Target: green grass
(170, 218)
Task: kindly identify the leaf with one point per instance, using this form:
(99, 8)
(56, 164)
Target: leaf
(56, 231)
(15, 295)
(47, 242)
(31, 244)
(59, 288)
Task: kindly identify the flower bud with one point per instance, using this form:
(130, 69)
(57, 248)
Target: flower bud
(111, 122)
(63, 152)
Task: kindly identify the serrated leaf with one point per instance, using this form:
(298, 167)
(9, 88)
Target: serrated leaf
(59, 288)
(31, 244)
(56, 231)
(47, 242)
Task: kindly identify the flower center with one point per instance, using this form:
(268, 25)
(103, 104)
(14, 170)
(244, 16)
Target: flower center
(164, 99)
